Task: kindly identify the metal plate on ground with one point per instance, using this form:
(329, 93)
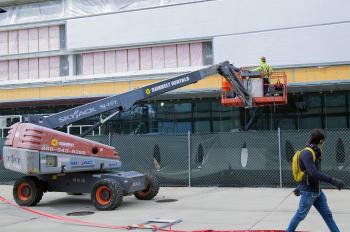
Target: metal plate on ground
(166, 200)
(80, 213)
(156, 224)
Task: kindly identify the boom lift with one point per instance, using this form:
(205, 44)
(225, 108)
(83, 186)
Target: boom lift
(54, 161)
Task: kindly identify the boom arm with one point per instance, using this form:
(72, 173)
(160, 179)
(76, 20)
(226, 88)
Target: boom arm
(126, 100)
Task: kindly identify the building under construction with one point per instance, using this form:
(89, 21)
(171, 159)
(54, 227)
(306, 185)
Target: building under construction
(58, 54)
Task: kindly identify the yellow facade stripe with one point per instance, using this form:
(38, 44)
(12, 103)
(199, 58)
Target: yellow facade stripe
(61, 91)
(139, 84)
(98, 89)
(297, 75)
(318, 74)
(212, 82)
(18, 94)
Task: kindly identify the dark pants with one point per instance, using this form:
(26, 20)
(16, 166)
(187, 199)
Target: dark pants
(318, 200)
(266, 85)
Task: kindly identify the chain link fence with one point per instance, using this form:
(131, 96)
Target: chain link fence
(242, 158)
(236, 159)
(335, 153)
(166, 156)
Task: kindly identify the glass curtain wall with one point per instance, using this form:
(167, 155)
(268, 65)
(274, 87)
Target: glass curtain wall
(303, 111)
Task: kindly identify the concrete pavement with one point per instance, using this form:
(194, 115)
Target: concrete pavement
(198, 207)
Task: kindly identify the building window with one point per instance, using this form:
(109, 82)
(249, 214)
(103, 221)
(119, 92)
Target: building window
(336, 121)
(208, 58)
(183, 55)
(335, 111)
(146, 58)
(335, 103)
(32, 40)
(34, 68)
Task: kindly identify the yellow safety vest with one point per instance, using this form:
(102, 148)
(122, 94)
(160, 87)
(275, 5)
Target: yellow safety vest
(265, 69)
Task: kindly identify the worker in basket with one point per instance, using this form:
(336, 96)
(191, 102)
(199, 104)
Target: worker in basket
(266, 72)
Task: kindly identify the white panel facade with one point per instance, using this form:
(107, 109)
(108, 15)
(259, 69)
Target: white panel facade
(273, 21)
(300, 46)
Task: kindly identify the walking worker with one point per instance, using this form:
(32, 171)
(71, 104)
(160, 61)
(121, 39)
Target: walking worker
(266, 71)
(309, 187)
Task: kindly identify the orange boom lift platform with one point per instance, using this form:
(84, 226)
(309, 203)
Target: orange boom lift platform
(254, 83)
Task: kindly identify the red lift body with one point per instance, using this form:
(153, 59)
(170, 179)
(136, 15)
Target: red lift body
(39, 138)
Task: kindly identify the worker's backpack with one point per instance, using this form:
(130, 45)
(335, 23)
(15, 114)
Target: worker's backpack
(298, 174)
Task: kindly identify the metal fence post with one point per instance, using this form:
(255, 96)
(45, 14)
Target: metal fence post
(279, 154)
(189, 157)
(109, 138)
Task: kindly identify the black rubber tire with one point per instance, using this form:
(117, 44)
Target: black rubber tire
(114, 190)
(35, 194)
(44, 185)
(151, 190)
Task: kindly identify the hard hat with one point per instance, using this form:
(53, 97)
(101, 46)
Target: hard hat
(263, 59)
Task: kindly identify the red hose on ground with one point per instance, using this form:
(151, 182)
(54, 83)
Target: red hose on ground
(90, 224)
(60, 218)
